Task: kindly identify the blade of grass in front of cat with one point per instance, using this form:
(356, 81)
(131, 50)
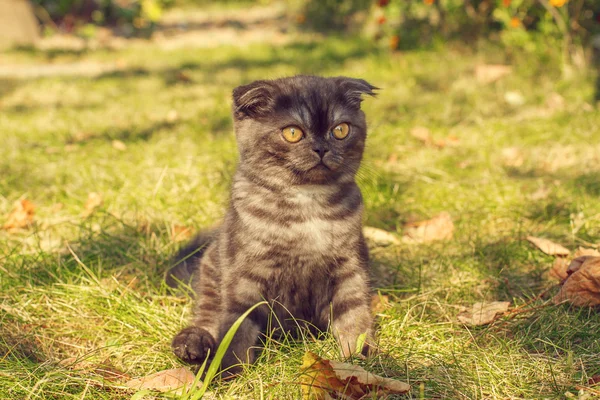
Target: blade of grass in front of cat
(187, 393)
(223, 346)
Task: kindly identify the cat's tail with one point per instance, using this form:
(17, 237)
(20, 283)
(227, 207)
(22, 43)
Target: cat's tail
(187, 259)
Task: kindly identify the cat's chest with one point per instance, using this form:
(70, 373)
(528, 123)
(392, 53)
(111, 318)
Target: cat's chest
(300, 223)
(311, 230)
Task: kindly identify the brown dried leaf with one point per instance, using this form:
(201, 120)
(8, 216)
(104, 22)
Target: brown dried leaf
(548, 246)
(180, 232)
(512, 157)
(164, 381)
(582, 286)
(93, 201)
(483, 313)
(488, 73)
(327, 379)
(119, 145)
(422, 134)
(560, 266)
(555, 102)
(379, 236)
(594, 380)
(21, 215)
(104, 369)
(439, 227)
(379, 303)
(559, 269)
(540, 194)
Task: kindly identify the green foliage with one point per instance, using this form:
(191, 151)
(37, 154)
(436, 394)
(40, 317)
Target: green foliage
(332, 15)
(134, 15)
(417, 22)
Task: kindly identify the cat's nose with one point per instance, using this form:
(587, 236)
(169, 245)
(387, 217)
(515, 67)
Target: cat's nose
(320, 150)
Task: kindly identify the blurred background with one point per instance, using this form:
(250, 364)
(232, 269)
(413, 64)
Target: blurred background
(396, 24)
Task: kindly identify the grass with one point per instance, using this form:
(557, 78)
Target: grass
(89, 288)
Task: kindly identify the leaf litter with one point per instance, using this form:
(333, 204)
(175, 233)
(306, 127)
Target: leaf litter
(324, 379)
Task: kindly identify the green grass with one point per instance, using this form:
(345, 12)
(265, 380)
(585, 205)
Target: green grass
(109, 307)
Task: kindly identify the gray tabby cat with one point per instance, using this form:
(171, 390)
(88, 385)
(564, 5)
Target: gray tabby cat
(292, 234)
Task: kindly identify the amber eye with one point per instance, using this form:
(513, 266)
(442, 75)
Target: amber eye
(292, 134)
(341, 131)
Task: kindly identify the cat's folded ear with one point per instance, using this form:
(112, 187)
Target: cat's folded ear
(354, 89)
(253, 100)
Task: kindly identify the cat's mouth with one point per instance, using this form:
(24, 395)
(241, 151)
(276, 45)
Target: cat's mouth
(321, 166)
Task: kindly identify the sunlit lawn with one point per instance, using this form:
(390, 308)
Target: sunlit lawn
(88, 288)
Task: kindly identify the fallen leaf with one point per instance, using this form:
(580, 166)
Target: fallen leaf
(512, 157)
(488, 73)
(379, 303)
(119, 145)
(548, 246)
(514, 98)
(104, 369)
(327, 379)
(180, 232)
(164, 381)
(582, 286)
(422, 134)
(379, 236)
(21, 215)
(439, 227)
(483, 313)
(560, 266)
(594, 380)
(540, 194)
(172, 116)
(93, 201)
(555, 102)
(559, 269)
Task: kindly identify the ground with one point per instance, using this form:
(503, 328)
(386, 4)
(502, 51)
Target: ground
(123, 162)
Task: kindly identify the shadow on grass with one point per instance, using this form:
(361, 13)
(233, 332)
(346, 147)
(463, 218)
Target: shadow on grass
(7, 86)
(305, 57)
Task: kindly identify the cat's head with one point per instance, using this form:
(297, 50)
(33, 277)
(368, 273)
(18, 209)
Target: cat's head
(302, 129)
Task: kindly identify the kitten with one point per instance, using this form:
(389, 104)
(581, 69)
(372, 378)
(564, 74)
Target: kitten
(292, 234)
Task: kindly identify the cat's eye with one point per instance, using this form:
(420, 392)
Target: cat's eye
(292, 134)
(341, 131)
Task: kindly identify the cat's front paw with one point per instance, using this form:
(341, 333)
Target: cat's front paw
(193, 344)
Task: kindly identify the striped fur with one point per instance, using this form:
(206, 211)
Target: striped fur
(292, 232)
